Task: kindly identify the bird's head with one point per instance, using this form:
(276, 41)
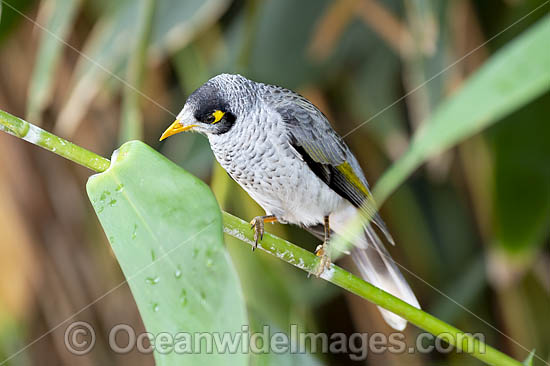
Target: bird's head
(214, 107)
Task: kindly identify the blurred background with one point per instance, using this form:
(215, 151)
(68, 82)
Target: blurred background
(473, 222)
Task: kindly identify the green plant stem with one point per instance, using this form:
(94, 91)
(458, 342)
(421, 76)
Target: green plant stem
(37, 136)
(283, 249)
(307, 261)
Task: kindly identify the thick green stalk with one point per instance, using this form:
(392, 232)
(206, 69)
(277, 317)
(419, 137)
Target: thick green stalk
(37, 136)
(283, 249)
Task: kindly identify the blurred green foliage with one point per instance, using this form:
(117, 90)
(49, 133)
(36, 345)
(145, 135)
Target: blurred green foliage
(472, 222)
(522, 178)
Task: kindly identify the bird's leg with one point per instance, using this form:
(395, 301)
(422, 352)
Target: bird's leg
(257, 224)
(323, 251)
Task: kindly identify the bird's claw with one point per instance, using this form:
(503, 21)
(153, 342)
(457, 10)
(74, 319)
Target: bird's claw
(257, 224)
(324, 263)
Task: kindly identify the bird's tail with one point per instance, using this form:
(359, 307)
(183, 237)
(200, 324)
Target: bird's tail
(377, 267)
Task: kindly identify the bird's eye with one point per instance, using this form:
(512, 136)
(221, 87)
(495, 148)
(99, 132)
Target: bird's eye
(215, 117)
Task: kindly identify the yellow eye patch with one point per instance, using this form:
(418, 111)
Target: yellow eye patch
(217, 116)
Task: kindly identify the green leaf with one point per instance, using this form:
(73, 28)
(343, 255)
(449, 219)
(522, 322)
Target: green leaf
(514, 76)
(57, 17)
(165, 228)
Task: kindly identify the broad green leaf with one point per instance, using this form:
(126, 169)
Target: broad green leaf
(57, 17)
(165, 228)
(514, 76)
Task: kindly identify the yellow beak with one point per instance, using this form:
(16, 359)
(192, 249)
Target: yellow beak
(174, 128)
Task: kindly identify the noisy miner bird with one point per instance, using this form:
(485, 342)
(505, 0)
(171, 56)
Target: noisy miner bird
(283, 151)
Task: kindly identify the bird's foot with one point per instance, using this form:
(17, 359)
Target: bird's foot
(324, 263)
(257, 224)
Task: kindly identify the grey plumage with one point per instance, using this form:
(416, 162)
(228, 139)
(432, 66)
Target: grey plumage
(309, 128)
(282, 150)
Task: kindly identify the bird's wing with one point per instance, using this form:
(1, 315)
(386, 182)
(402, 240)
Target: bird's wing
(324, 151)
